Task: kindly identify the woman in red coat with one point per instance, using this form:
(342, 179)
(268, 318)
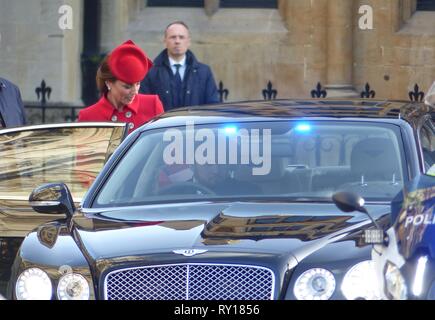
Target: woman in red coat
(118, 80)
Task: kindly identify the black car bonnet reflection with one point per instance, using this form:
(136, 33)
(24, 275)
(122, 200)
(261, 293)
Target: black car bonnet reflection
(248, 227)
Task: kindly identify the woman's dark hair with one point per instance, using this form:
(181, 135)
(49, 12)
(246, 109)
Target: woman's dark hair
(104, 74)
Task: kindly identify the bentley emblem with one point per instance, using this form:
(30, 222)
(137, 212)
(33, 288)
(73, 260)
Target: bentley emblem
(189, 252)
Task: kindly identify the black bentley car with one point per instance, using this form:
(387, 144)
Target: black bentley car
(228, 201)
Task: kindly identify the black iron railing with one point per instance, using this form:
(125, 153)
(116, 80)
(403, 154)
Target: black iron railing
(46, 112)
(37, 113)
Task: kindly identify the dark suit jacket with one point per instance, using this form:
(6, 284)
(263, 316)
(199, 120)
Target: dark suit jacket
(199, 86)
(11, 106)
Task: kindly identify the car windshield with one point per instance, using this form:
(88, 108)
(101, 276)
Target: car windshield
(293, 160)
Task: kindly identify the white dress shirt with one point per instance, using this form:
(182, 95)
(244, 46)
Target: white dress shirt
(182, 69)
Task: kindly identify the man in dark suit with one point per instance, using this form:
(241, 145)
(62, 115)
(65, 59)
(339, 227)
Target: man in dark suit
(177, 76)
(11, 106)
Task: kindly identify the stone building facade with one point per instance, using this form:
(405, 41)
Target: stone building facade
(343, 44)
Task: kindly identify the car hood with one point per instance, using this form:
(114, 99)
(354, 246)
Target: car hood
(257, 228)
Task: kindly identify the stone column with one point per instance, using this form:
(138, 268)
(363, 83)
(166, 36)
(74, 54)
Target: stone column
(71, 47)
(340, 49)
(114, 19)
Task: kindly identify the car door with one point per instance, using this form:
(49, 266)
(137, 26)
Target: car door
(73, 153)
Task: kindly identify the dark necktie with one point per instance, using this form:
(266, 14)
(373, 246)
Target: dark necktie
(177, 74)
(178, 101)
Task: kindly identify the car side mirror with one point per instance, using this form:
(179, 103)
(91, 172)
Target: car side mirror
(52, 198)
(350, 202)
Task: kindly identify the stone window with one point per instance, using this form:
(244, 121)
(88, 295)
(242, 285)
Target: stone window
(249, 4)
(426, 5)
(223, 3)
(175, 3)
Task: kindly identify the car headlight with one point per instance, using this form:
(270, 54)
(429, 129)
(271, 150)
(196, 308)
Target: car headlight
(395, 286)
(360, 282)
(33, 284)
(314, 284)
(73, 286)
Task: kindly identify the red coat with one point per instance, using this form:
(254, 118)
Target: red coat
(140, 111)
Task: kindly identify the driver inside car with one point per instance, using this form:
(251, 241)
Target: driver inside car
(215, 179)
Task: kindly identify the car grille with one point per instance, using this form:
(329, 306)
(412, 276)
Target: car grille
(190, 282)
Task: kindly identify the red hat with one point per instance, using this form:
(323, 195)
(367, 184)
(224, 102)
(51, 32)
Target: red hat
(129, 63)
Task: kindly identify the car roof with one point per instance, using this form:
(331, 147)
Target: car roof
(332, 109)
